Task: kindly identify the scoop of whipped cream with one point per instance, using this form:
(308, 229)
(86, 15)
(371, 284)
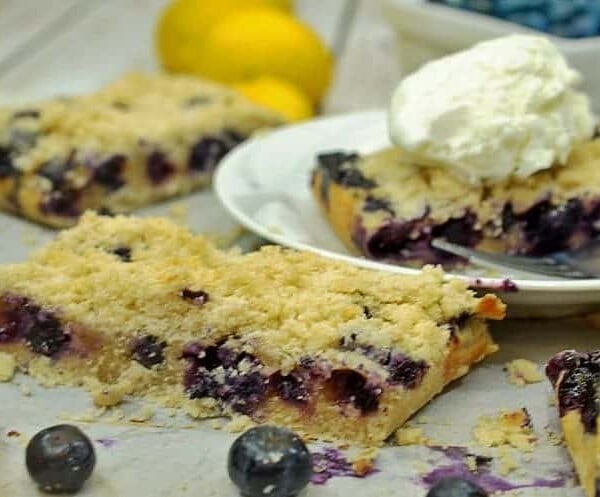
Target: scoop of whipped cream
(506, 107)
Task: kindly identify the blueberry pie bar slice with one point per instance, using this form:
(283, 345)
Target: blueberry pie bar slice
(388, 208)
(576, 381)
(139, 140)
(125, 306)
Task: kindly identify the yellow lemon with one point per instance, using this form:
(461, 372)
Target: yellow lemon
(183, 25)
(279, 95)
(259, 42)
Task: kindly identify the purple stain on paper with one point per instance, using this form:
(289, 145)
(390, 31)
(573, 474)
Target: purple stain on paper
(482, 474)
(107, 443)
(330, 463)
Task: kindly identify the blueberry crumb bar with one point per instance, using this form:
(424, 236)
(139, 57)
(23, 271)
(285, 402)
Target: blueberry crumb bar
(125, 306)
(576, 380)
(387, 208)
(138, 140)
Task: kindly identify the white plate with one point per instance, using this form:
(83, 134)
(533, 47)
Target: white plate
(264, 184)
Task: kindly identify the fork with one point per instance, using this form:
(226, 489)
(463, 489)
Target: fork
(583, 263)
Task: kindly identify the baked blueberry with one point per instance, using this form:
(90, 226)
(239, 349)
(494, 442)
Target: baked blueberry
(159, 168)
(268, 460)
(60, 459)
(456, 487)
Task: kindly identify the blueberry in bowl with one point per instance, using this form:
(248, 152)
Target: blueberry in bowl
(269, 460)
(60, 459)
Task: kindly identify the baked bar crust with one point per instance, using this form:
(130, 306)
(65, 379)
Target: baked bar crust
(576, 379)
(386, 207)
(139, 140)
(125, 306)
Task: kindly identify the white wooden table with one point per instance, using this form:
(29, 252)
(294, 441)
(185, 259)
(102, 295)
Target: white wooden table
(49, 47)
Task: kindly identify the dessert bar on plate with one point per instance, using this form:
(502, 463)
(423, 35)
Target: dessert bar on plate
(576, 379)
(387, 208)
(125, 306)
(138, 140)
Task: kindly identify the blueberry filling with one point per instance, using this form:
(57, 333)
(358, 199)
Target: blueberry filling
(61, 203)
(197, 297)
(367, 312)
(7, 168)
(210, 150)
(109, 173)
(233, 378)
(455, 324)
(411, 240)
(459, 230)
(294, 387)
(402, 369)
(577, 377)
(346, 386)
(40, 329)
(56, 171)
(158, 167)
(123, 253)
(340, 167)
(390, 241)
(148, 351)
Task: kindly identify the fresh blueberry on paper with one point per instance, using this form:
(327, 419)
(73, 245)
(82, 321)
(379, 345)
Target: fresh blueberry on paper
(60, 459)
(269, 461)
(456, 487)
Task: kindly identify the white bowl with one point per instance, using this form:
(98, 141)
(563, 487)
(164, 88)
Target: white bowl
(427, 31)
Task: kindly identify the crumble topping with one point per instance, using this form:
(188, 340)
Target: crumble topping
(8, 367)
(509, 429)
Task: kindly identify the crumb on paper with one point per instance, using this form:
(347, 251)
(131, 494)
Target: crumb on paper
(115, 415)
(88, 416)
(8, 367)
(238, 424)
(143, 415)
(216, 424)
(509, 429)
(178, 213)
(554, 438)
(423, 420)
(364, 463)
(25, 391)
(13, 434)
(408, 435)
(522, 372)
(508, 461)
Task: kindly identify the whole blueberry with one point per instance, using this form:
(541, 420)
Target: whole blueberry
(60, 459)
(456, 487)
(268, 460)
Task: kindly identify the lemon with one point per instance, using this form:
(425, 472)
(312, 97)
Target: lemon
(279, 95)
(265, 42)
(183, 25)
